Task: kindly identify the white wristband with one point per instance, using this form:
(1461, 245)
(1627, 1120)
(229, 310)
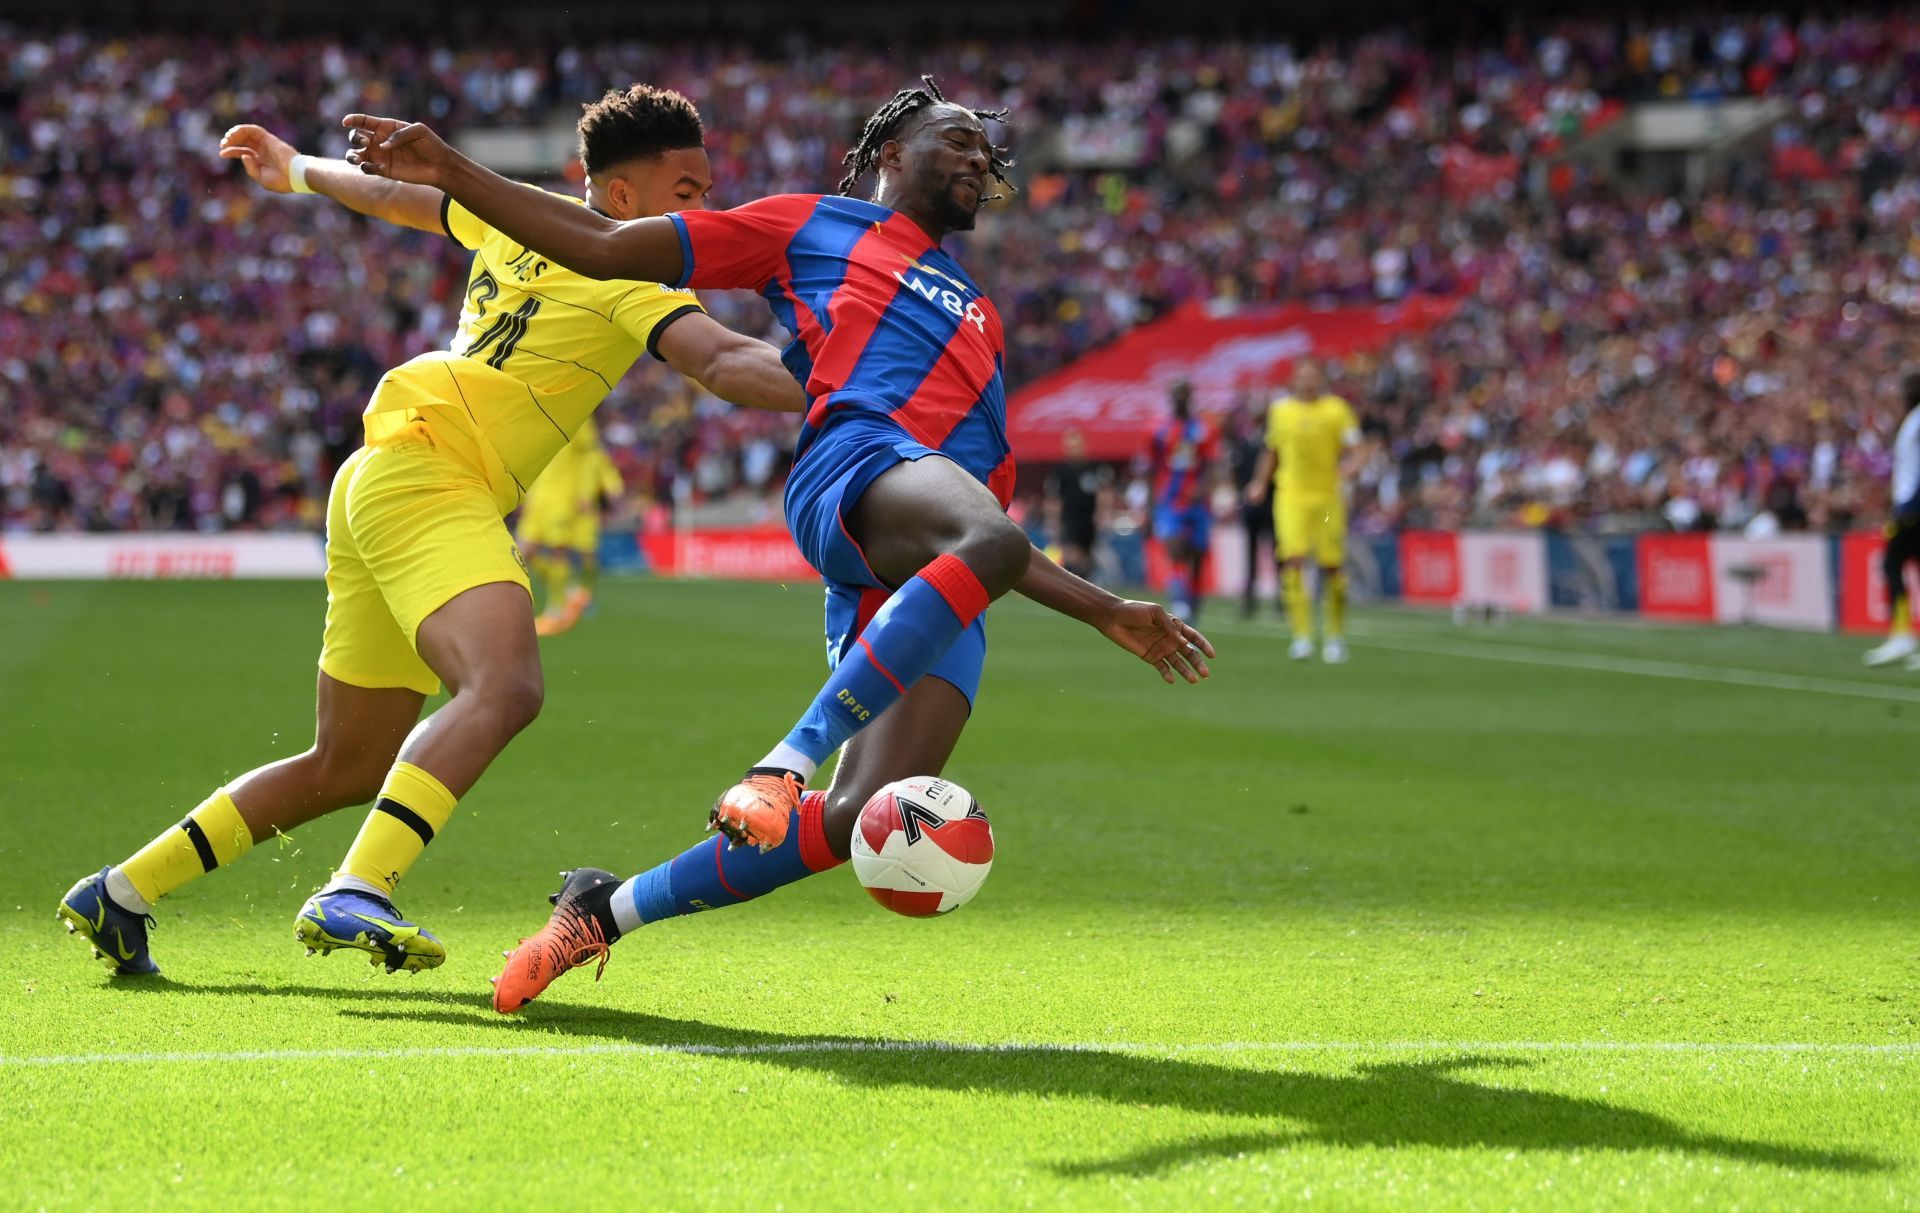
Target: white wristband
(297, 174)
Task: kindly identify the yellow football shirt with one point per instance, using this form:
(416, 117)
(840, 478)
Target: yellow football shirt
(1308, 437)
(537, 350)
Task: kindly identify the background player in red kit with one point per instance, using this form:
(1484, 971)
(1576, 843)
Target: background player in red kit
(898, 493)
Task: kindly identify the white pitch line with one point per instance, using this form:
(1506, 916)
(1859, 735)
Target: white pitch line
(778, 1048)
(1645, 667)
(1652, 668)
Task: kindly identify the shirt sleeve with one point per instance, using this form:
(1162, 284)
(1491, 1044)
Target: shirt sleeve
(469, 230)
(1273, 426)
(464, 227)
(1349, 425)
(646, 310)
(744, 248)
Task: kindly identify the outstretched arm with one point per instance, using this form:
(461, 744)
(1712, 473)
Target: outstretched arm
(1144, 629)
(574, 236)
(268, 159)
(731, 366)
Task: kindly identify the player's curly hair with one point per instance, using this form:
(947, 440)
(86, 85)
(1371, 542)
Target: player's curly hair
(891, 118)
(636, 121)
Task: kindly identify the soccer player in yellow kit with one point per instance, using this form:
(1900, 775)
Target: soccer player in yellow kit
(1308, 435)
(424, 584)
(560, 527)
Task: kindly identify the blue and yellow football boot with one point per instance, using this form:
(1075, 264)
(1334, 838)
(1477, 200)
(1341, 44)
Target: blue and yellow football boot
(349, 918)
(118, 935)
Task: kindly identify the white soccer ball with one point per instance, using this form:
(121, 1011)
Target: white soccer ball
(922, 846)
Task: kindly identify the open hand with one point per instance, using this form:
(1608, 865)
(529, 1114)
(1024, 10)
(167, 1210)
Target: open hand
(263, 154)
(402, 151)
(1162, 640)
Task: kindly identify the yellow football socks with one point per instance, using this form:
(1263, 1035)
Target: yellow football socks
(1335, 583)
(210, 836)
(554, 576)
(1902, 617)
(1293, 590)
(412, 808)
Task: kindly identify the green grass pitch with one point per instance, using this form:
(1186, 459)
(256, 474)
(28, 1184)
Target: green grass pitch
(1546, 916)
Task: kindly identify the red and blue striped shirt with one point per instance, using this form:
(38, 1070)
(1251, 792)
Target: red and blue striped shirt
(1182, 452)
(884, 322)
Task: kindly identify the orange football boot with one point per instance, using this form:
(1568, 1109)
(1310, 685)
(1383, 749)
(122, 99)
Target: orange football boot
(572, 937)
(755, 811)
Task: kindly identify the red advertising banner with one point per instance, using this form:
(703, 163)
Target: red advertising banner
(1676, 576)
(760, 553)
(1430, 567)
(162, 557)
(1117, 394)
(1863, 588)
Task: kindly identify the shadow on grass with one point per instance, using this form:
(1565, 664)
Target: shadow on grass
(1384, 1105)
(382, 988)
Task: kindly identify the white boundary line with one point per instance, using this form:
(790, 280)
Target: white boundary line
(1643, 666)
(778, 1048)
(1651, 668)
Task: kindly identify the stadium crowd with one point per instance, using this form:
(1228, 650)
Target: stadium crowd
(180, 350)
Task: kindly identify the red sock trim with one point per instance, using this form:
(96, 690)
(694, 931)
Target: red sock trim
(868, 649)
(955, 582)
(720, 870)
(814, 851)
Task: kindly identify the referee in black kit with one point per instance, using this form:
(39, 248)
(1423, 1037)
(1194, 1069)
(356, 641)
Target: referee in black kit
(1256, 521)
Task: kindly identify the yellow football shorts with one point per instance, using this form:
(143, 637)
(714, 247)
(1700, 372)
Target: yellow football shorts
(1312, 528)
(409, 527)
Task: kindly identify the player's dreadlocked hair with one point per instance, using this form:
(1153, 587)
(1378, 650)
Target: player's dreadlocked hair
(629, 123)
(887, 122)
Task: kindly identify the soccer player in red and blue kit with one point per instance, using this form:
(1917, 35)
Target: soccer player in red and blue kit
(897, 497)
(1185, 452)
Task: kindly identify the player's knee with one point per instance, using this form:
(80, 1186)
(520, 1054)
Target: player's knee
(521, 697)
(998, 552)
(513, 697)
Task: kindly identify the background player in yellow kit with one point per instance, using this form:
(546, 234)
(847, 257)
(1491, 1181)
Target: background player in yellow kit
(424, 585)
(1308, 434)
(560, 527)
